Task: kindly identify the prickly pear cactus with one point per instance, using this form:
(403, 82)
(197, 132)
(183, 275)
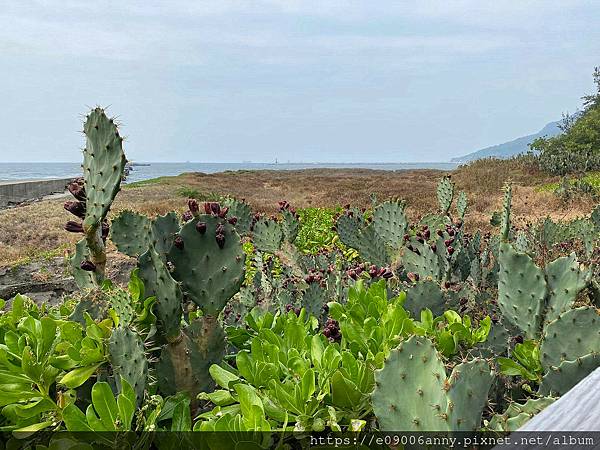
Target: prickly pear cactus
(521, 290)
(424, 294)
(420, 258)
(120, 302)
(208, 261)
(572, 335)
(242, 212)
(85, 279)
(559, 380)
(103, 166)
(128, 360)
(290, 225)
(390, 224)
(505, 214)
(565, 281)
(314, 299)
(267, 235)
(159, 283)
(445, 194)
(131, 232)
(357, 234)
(461, 205)
(518, 414)
(184, 363)
(413, 393)
(134, 233)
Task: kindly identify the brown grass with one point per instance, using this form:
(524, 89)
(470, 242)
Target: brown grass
(36, 230)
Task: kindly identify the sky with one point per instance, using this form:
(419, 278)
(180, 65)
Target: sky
(292, 80)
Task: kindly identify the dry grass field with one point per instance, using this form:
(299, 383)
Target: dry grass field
(36, 230)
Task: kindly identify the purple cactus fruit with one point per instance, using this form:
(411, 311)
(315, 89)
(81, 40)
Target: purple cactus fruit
(220, 229)
(223, 213)
(426, 234)
(440, 233)
(352, 274)
(201, 227)
(74, 227)
(105, 230)
(373, 271)
(77, 189)
(331, 330)
(187, 216)
(220, 238)
(88, 266)
(433, 247)
(451, 231)
(450, 250)
(207, 209)
(215, 208)
(193, 206)
(76, 208)
(387, 274)
(232, 220)
(414, 277)
(406, 237)
(178, 242)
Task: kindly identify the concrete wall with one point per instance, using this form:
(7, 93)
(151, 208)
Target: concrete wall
(19, 191)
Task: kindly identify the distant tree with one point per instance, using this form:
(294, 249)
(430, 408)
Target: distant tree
(577, 149)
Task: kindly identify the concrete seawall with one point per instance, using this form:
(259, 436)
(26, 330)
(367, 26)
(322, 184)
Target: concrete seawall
(13, 192)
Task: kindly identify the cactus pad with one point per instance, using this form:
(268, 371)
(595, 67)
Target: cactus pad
(128, 360)
(83, 278)
(521, 290)
(389, 222)
(209, 273)
(445, 194)
(159, 283)
(424, 294)
(131, 233)
(412, 391)
(572, 335)
(517, 414)
(565, 282)
(103, 165)
(425, 263)
(242, 211)
(267, 235)
(559, 380)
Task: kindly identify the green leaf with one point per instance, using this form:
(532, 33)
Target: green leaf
(126, 404)
(308, 384)
(77, 377)
(74, 419)
(344, 393)
(221, 376)
(105, 405)
(220, 397)
(512, 368)
(182, 420)
(248, 398)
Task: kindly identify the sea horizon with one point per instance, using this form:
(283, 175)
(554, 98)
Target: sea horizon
(142, 170)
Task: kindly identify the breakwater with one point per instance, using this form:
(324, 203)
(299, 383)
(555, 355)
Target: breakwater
(15, 192)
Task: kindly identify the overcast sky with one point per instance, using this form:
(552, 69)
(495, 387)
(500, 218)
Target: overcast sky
(298, 80)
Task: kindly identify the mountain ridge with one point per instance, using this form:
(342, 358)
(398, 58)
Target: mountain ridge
(510, 148)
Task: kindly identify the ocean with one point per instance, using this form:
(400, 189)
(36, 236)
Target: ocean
(29, 171)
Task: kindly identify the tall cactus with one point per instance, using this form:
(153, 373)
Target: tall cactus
(103, 166)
